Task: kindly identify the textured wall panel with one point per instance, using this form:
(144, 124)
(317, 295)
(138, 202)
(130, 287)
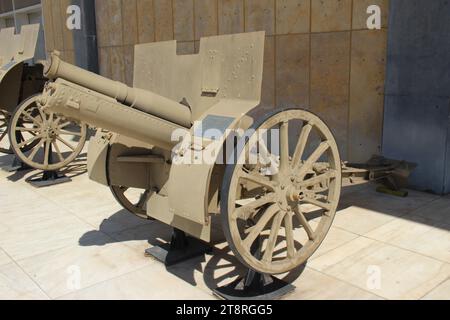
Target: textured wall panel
(130, 22)
(163, 20)
(331, 15)
(231, 16)
(205, 18)
(367, 94)
(292, 70)
(260, 16)
(293, 16)
(146, 21)
(330, 68)
(183, 12)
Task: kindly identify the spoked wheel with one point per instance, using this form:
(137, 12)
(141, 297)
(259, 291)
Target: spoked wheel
(285, 202)
(132, 200)
(48, 141)
(4, 124)
(5, 145)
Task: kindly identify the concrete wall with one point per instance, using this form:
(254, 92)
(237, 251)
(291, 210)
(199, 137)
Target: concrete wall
(76, 46)
(319, 54)
(417, 117)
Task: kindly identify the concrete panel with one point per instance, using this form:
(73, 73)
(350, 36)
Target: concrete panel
(48, 25)
(85, 40)
(69, 56)
(419, 48)
(367, 94)
(115, 20)
(416, 124)
(268, 85)
(67, 34)
(414, 130)
(293, 16)
(130, 23)
(330, 70)
(163, 20)
(146, 21)
(183, 12)
(205, 18)
(231, 16)
(186, 47)
(117, 64)
(104, 63)
(292, 70)
(128, 55)
(360, 14)
(57, 26)
(331, 15)
(101, 15)
(260, 16)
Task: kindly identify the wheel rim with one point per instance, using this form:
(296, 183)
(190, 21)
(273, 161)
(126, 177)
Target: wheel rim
(47, 141)
(290, 201)
(4, 124)
(132, 200)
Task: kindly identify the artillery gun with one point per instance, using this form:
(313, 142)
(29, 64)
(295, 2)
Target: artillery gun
(275, 212)
(24, 129)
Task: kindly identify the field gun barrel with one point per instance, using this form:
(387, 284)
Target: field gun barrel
(139, 99)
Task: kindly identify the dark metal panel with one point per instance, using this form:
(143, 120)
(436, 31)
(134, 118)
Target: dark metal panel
(417, 104)
(416, 130)
(85, 40)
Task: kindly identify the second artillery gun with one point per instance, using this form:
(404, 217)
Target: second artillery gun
(183, 107)
(25, 130)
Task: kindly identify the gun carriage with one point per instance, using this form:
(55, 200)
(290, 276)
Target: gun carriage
(41, 141)
(186, 108)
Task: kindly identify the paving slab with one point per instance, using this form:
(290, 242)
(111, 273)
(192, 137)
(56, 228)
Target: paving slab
(417, 234)
(149, 283)
(17, 285)
(442, 292)
(95, 259)
(387, 271)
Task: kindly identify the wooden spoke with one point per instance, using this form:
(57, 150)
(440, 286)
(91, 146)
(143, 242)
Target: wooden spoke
(304, 222)
(272, 241)
(32, 119)
(289, 231)
(313, 158)
(249, 210)
(58, 151)
(64, 125)
(30, 130)
(64, 132)
(255, 231)
(284, 146)
(65, 143)
(317, 203)
(23, 144)
(135, 207)
(331, 174)
(258, 179)
(35, 150)
(301, 145)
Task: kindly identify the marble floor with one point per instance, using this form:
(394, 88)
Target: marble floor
(73, 241)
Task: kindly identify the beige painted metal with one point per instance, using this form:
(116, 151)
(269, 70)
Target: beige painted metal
(101, 111)
(15, 49)
(221, 88)
(145, 101)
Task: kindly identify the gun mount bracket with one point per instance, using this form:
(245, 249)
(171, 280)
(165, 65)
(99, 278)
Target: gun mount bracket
(181, 248)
